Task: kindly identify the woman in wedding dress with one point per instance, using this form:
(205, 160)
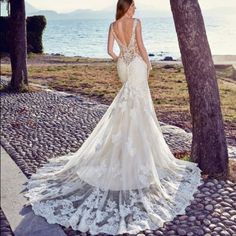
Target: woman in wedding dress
(124, 178)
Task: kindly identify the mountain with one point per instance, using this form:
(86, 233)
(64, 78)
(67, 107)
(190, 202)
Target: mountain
(91, 14)
(52, 15)
(109, 12)
(78, 14)
(28, 7)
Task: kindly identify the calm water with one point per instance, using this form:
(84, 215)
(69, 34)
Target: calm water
(89, 37)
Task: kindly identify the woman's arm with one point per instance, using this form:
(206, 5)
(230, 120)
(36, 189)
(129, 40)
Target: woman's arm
(141, 46)
(110, 44)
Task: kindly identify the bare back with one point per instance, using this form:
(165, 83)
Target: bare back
(124, 33)
(128, 34)
(123, 30)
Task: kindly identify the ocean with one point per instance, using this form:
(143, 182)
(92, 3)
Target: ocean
(88, 37)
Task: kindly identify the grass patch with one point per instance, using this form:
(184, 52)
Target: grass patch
(167, 84)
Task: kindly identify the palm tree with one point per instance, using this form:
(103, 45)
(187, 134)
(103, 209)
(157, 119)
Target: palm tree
(209, 147)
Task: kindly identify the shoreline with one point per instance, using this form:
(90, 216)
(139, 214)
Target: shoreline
(56, 58)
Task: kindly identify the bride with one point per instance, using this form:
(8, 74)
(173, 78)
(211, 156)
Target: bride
(124, 178)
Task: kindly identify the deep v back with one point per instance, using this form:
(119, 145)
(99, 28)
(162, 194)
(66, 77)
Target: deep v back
(130, 51)
(131, 37)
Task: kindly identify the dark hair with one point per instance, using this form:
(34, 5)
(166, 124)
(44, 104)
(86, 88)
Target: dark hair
(122, 7)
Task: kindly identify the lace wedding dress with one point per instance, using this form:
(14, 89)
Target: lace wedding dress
(124, 178)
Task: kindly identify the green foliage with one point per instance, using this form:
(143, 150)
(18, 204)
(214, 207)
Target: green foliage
(36, 23)
(4, 34)
(35, 26)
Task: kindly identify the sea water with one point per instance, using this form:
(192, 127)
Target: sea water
(88, 37)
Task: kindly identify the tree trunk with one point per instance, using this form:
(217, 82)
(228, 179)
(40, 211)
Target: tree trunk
(209, 147)
(18, 47)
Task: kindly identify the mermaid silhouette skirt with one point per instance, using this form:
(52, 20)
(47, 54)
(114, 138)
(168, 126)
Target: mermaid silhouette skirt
(124, 178)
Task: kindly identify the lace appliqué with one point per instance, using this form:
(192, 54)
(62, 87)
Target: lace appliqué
(127, 53)
(88, 208)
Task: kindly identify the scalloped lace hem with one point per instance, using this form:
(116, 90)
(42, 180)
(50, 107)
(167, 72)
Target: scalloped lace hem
(90, 209)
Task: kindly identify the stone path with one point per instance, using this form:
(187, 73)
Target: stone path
(38, 126)
(21, 218)
(5, 228)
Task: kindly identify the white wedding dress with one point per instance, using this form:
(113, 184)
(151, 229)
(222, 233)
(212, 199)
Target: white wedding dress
(124, 178)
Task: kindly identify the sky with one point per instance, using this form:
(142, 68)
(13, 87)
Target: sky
(70, 5)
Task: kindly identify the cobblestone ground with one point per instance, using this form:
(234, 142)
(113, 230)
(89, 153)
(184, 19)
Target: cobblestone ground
(38, 126)
(5, 229)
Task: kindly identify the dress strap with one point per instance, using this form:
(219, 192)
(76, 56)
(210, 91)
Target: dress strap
(114, 33)
(135, 23)
(133, 30)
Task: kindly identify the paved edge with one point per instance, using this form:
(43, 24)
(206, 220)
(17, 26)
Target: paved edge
(22, 220)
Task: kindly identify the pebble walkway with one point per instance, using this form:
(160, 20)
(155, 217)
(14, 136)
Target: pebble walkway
(38, 126)
(5, 228)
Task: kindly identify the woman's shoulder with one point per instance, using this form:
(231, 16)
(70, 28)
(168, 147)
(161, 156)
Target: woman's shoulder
(137, 20)
(112, 23)
(116, 21)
